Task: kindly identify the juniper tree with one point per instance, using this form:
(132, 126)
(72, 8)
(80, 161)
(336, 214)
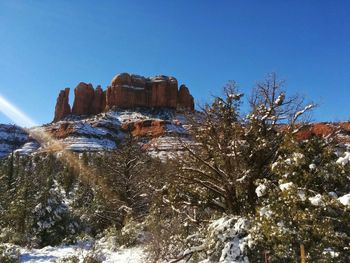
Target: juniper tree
(229, 153)
(128, 169)
(233, 150)
(124, 194)
(299, 205)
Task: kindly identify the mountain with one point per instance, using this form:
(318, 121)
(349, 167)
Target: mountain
(151, 108)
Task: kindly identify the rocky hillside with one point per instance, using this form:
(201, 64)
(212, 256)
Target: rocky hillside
(14, 138)
(160, 130)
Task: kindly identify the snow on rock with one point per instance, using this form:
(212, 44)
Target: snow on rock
(28, 148)
(102, 131)
(87, 129)
(99, 132)
(80, 144)
(344, 160)
(345, 199)
(316, 200)
(167, 147)
(12, 137)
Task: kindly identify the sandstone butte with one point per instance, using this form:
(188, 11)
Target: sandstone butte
(125, 91)
(128, 91)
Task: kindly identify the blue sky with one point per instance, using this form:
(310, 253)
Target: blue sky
(49, 45)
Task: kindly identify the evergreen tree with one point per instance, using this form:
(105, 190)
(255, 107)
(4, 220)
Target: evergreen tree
(299, 205)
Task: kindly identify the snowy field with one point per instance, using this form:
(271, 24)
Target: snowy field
(55, 254)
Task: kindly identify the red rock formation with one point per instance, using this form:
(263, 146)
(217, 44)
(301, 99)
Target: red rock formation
(62, 108)
(345, 126)
(185, 100)
(126, 91)
(340, 130)
(164, 92)
(84, 95)
(153, 128)
(99, 101)
(63, 131)
(121, 79)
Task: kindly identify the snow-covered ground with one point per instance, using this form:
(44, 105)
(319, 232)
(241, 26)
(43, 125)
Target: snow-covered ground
(54, 254)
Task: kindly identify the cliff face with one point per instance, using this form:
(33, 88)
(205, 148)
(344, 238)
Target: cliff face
(128, 91)
(83, 98)
(62, 108)
(125, 91)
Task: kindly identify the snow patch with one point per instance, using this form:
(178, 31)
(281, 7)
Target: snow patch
(285, 186)
(261, 190)
(345, 199)
(344, 160)
(316, 200)
(312, 166)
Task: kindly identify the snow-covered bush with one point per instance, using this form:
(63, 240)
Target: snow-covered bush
(51, 220)
(9, 254)
(227, 239)
(133, 233)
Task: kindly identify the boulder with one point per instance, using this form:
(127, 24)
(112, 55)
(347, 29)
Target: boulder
(84, 95)
(62, 108)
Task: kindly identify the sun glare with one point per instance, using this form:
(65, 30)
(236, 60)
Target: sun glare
(51, 144)
(13, 113)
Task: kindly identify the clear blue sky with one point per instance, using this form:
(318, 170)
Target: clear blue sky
(49, 45)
